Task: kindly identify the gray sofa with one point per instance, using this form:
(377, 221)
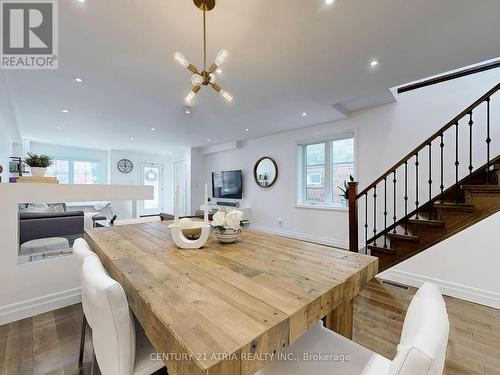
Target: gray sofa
(35, 225)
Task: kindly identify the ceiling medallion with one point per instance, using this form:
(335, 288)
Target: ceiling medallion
(207, 76)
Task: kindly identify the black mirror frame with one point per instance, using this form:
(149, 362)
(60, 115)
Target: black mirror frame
(255, 172)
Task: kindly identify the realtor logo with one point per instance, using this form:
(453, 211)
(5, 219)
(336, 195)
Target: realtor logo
(29, 34)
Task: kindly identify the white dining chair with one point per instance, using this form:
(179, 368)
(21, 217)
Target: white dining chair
(81, 250)
(422, 348)
(121, 347)
(139, 220)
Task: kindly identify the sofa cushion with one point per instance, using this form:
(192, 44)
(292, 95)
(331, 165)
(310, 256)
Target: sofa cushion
(23, 215)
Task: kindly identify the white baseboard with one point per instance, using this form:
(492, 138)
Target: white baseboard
(467, 293)
(39, 305)
(303, 236)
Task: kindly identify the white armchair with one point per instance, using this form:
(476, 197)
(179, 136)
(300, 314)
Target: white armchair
(421, 351)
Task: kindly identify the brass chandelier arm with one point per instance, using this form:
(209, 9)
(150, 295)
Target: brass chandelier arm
(216, 87)
(193, 69)
(195, 89)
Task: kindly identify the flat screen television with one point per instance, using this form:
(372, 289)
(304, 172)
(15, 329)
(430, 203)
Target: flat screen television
(227, 185)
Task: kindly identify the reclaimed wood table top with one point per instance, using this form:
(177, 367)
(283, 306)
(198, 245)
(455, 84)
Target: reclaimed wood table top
(226, 308)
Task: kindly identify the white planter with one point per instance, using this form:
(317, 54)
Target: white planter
(38, 172)
(228, 236)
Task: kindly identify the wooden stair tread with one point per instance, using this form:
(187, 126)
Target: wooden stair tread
(382, 249)
(461, 207)
(427, 222)
(482, 188)
(401, 236)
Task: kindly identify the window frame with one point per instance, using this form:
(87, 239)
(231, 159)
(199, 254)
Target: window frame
(71, 168)
(301, 184)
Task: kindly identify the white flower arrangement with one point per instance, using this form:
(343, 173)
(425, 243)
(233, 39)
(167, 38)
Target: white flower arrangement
(224, 219)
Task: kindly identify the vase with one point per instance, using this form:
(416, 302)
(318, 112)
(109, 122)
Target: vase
(38, 171)
(228, 236)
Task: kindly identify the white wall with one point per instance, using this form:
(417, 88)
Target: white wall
(33, 288)
(384, 135)
(464, 266)
(5, 152)
(124, 209)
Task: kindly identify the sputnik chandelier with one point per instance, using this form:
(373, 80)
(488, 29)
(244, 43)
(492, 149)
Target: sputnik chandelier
(206, 77)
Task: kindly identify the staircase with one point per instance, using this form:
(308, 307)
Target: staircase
(401, 222)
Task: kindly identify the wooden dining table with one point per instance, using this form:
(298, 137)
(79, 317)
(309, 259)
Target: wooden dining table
(228, 309)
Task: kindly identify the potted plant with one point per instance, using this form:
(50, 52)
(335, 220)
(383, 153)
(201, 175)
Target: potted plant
(227, 225)
(38, 164)
(345, 190)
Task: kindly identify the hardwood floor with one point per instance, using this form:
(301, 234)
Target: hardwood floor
(49, 343)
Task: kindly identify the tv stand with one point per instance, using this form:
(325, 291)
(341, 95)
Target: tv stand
(228, 204)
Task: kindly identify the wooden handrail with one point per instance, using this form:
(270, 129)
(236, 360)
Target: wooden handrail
(431, 138)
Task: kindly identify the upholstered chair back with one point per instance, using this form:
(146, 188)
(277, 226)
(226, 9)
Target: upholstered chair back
(422, 349)
(113, 332)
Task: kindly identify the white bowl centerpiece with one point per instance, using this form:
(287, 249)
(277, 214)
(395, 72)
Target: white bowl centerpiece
(227, 225)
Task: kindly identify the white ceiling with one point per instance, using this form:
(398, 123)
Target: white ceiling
(287, 57)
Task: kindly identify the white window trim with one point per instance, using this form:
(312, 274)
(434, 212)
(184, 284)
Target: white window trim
(302, 168)
(71, 168)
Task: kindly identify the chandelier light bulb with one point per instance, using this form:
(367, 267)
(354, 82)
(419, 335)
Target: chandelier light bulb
(179, 57)
(196, 80)
(221, 57)
(189, 98)
(226, 95)
(211, 78)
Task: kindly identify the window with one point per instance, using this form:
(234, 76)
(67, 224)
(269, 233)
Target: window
(322, 169)
(74, 171)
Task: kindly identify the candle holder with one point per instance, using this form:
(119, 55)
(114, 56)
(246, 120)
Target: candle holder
(176, 230)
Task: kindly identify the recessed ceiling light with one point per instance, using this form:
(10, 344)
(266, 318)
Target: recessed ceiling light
(188, 111)
(304, 114)
(78, 79)
(329, 2)
(131, 139)
(247, 129)
(219, 70)
(81, 1)
(208, 140)
(59, 127)
(373, 63)
(153, 129)
(64, 111)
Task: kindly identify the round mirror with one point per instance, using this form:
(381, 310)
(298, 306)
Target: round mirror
(265, 172)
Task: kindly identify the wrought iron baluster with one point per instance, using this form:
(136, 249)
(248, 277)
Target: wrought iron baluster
(416, 186)
(488, 140)
(375, 214)
(430, 181)
(394, 201)
(442, 168)
(366, 220)
(471, 122)
(457, 163)
(406, 196)
(385, 211)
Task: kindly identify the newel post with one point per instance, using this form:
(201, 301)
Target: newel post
(353, 217)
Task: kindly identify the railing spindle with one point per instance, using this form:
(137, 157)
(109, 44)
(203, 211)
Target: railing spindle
(488, 141)
(430, 181)
(366, 220)
(406, 196)
(385, 211)
(394, 201)
(441, 145)
(375, 213)
(471, 122)
(416, 185)
(457, 163)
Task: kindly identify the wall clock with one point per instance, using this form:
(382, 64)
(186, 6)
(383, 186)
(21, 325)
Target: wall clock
(125, 166)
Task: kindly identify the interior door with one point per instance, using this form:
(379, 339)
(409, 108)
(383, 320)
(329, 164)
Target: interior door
(152, 175)
(180, 178)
